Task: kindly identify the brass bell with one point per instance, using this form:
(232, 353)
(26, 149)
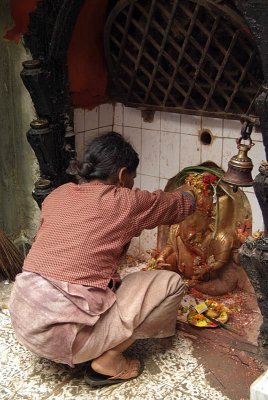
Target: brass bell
(240, 167)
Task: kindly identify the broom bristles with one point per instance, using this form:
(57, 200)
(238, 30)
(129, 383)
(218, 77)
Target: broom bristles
(11, 259)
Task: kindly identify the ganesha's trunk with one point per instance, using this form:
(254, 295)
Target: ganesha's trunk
(225, 282)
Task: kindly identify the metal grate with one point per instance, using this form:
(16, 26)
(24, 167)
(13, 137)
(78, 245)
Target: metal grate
(191, 56)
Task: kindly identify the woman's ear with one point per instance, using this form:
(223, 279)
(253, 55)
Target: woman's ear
(122, 177)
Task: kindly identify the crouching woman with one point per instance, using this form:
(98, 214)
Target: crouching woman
(68, 304)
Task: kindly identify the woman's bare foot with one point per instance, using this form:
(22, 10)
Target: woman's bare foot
(115, 365)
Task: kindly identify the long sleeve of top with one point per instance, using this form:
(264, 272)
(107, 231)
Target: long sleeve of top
(84, 229)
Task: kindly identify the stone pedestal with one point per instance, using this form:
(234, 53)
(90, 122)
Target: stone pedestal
(260, 185)
(254, 259)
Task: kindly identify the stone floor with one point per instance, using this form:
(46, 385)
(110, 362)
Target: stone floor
(181, 369)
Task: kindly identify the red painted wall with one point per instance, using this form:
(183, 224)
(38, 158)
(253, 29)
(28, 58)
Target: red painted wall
(87, 71)
(20, 12)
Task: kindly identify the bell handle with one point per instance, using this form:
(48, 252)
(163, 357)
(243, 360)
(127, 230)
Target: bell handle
(246, 130)
(251, 144)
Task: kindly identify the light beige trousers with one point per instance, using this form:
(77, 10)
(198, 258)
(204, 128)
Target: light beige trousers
(146, 307)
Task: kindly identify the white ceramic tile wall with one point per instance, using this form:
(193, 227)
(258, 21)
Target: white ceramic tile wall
(169, 154)
(150, 153)
(133, 135)
(80, 144)
(229, 150)
(92, 119)
(148, 240)
(190, 124)
(106, 115)
(79, 120)
(231, 128)
(150, 183)
(257, 220)
(215, 125)
(137, 181)
(163, 183)
(154, 125)
(190, 150)
(119, 129)
(90, 135)
(166, 145)
(212, 152)
(170, 122)
(90, 123)
(131, 117)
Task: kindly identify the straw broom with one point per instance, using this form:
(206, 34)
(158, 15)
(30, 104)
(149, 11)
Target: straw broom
(11, 259)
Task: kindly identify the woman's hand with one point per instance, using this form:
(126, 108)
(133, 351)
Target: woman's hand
(187, 189)
(161, 263)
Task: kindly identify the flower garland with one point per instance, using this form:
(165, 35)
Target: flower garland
(203, 184)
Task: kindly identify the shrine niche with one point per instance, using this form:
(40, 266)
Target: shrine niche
(199, 57)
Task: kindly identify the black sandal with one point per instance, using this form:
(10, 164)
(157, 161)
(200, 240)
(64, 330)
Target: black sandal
(93, 378)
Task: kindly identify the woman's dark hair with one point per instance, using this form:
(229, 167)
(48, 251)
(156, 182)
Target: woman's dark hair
(106, 154)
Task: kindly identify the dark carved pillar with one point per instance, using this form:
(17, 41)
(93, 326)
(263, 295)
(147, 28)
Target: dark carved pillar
(254, 253)
(254, 259)
(256, 15)
(260, 185)
(46, 78)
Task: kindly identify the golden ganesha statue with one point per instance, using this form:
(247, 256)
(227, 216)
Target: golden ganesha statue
(204, 247)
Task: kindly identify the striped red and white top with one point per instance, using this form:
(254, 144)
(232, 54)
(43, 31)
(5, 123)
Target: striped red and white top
(85, 229)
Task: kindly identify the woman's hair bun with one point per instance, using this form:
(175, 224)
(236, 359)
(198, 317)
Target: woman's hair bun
(89, 166)
(106, 154)
(86, 170)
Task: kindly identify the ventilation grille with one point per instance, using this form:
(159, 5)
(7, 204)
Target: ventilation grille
(189, 56)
